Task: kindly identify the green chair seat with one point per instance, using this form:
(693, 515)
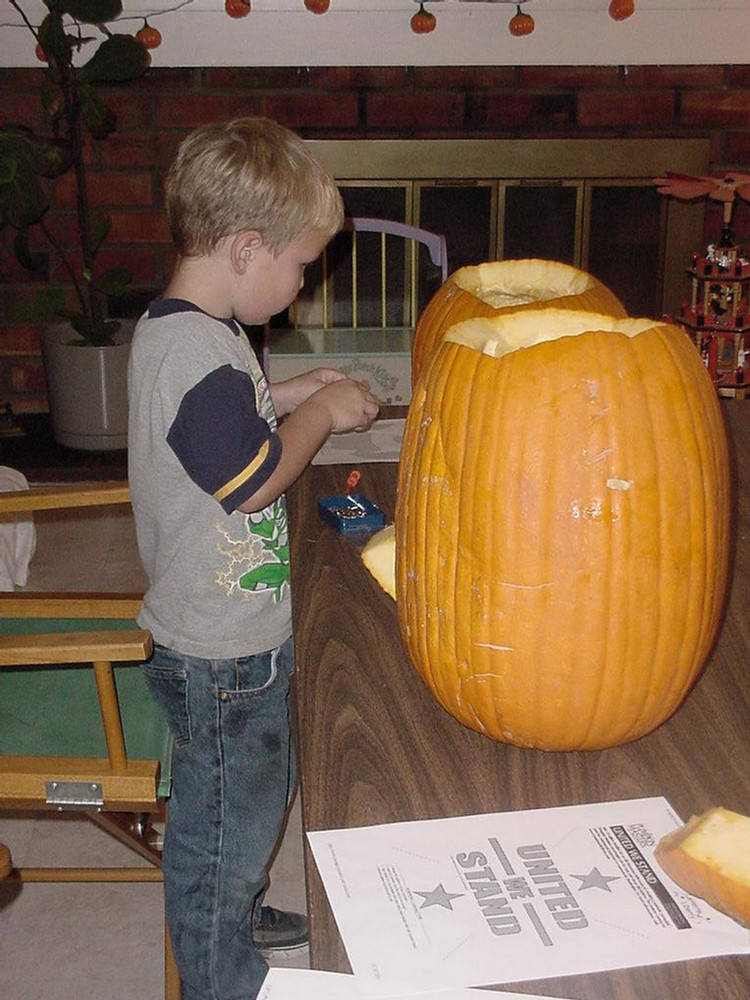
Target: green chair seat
(54, 712)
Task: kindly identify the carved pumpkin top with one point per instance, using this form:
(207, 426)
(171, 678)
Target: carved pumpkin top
(519, 282)
(500, 335)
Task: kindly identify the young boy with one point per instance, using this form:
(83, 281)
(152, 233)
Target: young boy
(249, 208)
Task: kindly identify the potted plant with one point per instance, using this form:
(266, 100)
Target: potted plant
(85, 355)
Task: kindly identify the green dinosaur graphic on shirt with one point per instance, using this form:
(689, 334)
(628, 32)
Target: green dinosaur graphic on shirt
(270, 526)
(258, 562)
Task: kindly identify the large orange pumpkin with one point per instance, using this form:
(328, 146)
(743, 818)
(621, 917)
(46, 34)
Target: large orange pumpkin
(562, 526)
(496, 287)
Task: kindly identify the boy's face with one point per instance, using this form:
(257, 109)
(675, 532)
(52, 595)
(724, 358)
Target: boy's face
(269, 284)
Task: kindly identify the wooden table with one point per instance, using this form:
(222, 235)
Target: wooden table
(376, 747)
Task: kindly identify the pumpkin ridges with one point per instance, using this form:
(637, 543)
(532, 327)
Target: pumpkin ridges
(540, 702)
(470, 477)
(703, 544)
(444, 636)
(658, 430)
(410, 575)
(633, 647)
(601, 443)
(689, 512)
(416, 578)
(498, 560)
(685, 432)
(717, 552)
(635, 538)
(488, 538)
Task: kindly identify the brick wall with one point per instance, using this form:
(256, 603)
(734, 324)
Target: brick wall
(340, 102)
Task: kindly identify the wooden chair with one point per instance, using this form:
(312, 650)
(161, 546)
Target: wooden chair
(78, 729)
(360, 304)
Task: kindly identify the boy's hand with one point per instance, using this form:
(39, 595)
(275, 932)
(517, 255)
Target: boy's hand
(288, 395)
(351, 405)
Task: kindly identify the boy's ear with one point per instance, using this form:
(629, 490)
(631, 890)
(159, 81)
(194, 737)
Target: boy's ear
(242, 248)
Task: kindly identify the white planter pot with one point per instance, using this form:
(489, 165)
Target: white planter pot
(87, 388)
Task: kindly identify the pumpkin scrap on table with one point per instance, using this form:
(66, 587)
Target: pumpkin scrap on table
(562, 525)
(710, 857)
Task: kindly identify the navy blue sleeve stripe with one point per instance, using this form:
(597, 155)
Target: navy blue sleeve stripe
(222, 442)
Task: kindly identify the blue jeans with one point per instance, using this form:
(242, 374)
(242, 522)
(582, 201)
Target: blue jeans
(232, 777)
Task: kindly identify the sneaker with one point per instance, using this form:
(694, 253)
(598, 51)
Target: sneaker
(278, 930)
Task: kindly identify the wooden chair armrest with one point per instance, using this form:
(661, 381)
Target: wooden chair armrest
(59, 648)
(15, 604)
(53, 497)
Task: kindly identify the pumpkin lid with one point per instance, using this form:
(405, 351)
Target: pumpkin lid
(506, 283)
(500, 335)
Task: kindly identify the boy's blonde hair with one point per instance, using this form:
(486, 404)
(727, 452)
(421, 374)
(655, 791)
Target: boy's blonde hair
(249, 173)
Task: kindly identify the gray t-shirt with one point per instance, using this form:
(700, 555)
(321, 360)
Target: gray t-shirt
(201, 441)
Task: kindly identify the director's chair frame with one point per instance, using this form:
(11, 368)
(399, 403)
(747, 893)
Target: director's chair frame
(119, 794)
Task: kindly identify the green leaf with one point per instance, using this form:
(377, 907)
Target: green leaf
(92, 11)
(98, 118)
(53, 39)
(33, 310)
(50, 159)
(271, 575)
(35, 261)
(52, 102)
(112, 282)
(23, 200)
(118, 58)
(99, 229)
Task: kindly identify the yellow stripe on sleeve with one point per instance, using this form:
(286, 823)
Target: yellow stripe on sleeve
(241, 477)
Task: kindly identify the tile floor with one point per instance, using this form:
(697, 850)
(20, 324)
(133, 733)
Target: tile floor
(100, 941)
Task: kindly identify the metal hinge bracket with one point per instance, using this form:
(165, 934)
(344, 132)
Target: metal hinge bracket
(74, 795)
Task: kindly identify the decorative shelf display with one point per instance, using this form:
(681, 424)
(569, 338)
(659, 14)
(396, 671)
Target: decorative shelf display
(717, 316)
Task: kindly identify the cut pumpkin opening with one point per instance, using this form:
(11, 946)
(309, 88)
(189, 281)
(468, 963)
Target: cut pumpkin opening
(500, 335)
(519, 282)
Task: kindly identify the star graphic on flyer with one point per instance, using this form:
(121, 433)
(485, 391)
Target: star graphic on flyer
(438, 897)
(595, 880)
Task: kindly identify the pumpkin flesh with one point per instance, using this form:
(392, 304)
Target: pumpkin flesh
(562, 526)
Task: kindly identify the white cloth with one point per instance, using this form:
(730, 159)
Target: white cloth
(17, 535)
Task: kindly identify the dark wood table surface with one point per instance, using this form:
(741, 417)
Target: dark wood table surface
(376, 747)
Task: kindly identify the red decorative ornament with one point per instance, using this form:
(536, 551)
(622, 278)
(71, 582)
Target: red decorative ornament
(317, 6)
(237, 8)
(619, 10)
(149, 37)
(40, 53)
(520, 23)
(423, 22)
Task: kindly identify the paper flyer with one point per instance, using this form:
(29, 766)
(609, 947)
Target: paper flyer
(381, 443)
(515, 896)
(303, 984)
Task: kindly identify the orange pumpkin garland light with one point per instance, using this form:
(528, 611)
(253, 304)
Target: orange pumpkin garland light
(620, 10)
(521, 24)
(317, 6)
(423, 22)
(149, 37)
(237, 8)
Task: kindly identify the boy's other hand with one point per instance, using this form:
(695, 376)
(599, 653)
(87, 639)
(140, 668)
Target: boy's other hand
(351, 405)
(288, 395)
